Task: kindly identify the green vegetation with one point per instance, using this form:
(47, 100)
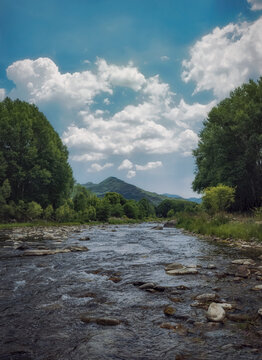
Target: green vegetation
(218, 198)
(224, 226)
(229, 151)
(33, 159)
(170, 207)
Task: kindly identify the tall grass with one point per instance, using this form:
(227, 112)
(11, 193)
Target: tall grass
(222, 226)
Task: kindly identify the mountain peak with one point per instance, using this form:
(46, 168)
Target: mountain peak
(129, 191)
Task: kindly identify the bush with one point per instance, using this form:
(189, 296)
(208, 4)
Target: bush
(218, 198)
(34, 210)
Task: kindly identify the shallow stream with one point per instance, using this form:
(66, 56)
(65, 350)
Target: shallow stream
(51, 305)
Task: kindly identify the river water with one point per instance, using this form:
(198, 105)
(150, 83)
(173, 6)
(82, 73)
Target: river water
(44, 299)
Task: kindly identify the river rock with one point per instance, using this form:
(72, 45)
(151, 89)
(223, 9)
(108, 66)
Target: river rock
(259, 311)
(170, 224)
(206, 297)
(100, 321)
(257, 288)
(158, 227)
(86, 238)
(227, 306)
(243, 262)
(147, 286)
(173, 266)
(77, 248)
(37, 252)
(182, 271)
(216, 312)
(169, 310)
(242, 271)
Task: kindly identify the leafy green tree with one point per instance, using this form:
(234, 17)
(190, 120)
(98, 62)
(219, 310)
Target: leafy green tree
(5, 192)
(176, 205)
(230, 146)
(32, 156)
(171, 213)
(117, 210)
(103, 210)
(64, 213)
(34, 210)
(146, 208)
(131, 209)
(48, 212)
(218, 198)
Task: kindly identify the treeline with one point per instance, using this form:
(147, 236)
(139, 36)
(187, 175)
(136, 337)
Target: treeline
(36, 180)
(84, 206)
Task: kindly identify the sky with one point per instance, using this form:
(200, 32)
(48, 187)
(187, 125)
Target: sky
(128, 84)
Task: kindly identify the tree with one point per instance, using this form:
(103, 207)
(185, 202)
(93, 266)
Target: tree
(131, 209)
(102, 210)
(34, 210)
(218, 198)
(32, 156)
(230, 146)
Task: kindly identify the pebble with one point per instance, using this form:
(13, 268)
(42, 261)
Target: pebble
(169, 310)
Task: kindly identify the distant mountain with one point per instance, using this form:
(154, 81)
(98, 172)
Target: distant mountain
(130, 192)
(193, 199)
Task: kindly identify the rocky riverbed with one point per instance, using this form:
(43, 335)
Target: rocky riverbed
(127, 292)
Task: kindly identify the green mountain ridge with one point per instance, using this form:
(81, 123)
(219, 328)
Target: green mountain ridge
(129, 191)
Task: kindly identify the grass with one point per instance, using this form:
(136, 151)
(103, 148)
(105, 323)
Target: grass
(222, 226)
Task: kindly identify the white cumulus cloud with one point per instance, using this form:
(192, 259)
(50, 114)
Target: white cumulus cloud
(225, 58)
(88, 157)
(150, 165)
(97, 167)
(131, 174)
(126, 164)
(255, 4)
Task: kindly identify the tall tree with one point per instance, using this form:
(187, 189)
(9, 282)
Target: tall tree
(32, 156)
(230, 146)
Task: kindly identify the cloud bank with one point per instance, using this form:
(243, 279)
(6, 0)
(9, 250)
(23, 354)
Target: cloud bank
(226, 58)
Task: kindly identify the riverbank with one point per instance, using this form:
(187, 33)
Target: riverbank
(232, 230)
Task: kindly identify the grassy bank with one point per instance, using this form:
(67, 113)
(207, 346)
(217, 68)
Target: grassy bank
(111, 221)
(223, 226)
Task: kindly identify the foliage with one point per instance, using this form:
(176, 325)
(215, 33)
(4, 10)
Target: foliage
(48, 212)
(33, 210)
(64, 213)
(131, 209)
(103, 210)
(32, 156)
(176, 205)
(220, 226)
(218, 198)
(229, 150)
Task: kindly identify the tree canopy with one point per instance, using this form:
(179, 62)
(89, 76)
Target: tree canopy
(229, 151)
(32, 156)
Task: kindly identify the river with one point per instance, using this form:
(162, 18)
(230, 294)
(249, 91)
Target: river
(90, 304)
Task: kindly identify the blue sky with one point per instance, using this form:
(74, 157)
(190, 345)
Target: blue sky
(127, 84)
